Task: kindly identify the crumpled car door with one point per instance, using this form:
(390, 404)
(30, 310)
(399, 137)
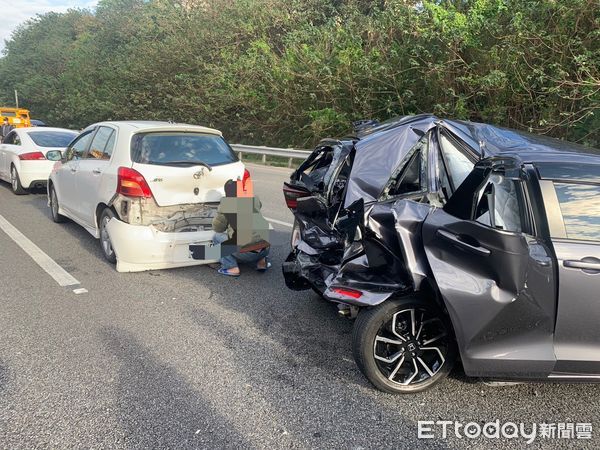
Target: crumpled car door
(496, 280)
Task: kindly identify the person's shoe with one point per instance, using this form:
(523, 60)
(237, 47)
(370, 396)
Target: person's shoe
(229, 272)
(264, 268)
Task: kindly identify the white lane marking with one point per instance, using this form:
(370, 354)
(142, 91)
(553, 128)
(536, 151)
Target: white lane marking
(279, 222)
(60, 275)
(80, 291)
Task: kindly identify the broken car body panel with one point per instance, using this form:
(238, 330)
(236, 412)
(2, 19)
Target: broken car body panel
(485, 251)
(368, 168)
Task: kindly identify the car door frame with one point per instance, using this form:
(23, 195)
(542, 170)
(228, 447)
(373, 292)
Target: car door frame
(570, 344)
(64, 179)
(501, 326)
(89, 179)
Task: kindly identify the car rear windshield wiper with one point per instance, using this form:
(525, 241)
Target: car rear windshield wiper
(184, 163)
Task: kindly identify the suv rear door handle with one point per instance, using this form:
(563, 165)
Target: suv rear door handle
(583, 265)
(96, 171)
(456, 239)
(73, 169)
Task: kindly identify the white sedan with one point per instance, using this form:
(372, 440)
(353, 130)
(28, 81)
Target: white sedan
(27, 156)
(147, 190)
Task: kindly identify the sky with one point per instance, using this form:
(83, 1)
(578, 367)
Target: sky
(15, 12)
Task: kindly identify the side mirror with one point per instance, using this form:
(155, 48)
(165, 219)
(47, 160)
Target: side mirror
(54, 155)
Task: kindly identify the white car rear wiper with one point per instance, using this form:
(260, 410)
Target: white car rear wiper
(185, 163)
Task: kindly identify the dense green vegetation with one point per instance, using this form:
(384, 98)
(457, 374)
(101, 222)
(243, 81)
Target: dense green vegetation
(287, 72)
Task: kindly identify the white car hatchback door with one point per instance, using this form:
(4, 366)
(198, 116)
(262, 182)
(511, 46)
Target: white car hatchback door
(183, 167)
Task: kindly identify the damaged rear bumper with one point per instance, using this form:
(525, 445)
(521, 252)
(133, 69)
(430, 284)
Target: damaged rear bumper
(140, 248)
(302, 271)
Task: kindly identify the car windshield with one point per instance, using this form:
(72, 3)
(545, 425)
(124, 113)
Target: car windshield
(181, 149)
(52, 138)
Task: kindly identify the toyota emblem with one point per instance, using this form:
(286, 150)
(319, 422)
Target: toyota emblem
(199, 174)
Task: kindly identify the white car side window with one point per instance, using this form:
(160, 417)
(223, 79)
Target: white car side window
(98, 146)
(79, 146)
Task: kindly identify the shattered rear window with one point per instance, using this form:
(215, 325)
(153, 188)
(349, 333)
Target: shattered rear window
(180, 148)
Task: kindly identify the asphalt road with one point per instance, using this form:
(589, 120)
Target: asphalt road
(187, 358)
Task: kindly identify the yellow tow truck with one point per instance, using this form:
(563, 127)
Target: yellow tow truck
(17, 117)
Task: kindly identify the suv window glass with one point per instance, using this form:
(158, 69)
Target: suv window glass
(99, 144)
(179, 148)
(580, 207)
(78, 147)
(456, 162)
(412, 178)
(498, 204)
(447, 190)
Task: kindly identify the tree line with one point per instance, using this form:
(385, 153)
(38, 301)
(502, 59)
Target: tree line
(288, 72)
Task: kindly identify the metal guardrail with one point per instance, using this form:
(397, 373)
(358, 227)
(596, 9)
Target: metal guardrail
(289, 153)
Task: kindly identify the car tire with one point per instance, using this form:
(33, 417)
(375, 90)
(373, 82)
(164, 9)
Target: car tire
(56, 216)
(411, 363)
(15, 182)
(105, 244)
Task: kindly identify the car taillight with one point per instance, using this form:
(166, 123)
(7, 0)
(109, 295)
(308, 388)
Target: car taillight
(32, 156)
(292, 195)
(245, 178)
(131, 183)
(346, 292)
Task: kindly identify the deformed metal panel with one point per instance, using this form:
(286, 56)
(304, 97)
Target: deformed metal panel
(378, 155)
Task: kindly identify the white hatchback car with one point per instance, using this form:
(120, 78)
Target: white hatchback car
(147, 190)
(27, 156)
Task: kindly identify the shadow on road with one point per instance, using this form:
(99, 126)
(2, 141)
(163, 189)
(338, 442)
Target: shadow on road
(156, 406)
(294, 351)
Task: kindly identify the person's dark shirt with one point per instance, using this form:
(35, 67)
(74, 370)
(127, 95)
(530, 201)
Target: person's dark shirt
(5, 129)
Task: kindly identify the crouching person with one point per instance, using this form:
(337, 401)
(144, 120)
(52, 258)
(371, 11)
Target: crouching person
(241, 230)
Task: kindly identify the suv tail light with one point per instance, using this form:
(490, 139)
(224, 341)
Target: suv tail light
(292, 194)
(131, 183)
(32, 156)
(346, 292)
